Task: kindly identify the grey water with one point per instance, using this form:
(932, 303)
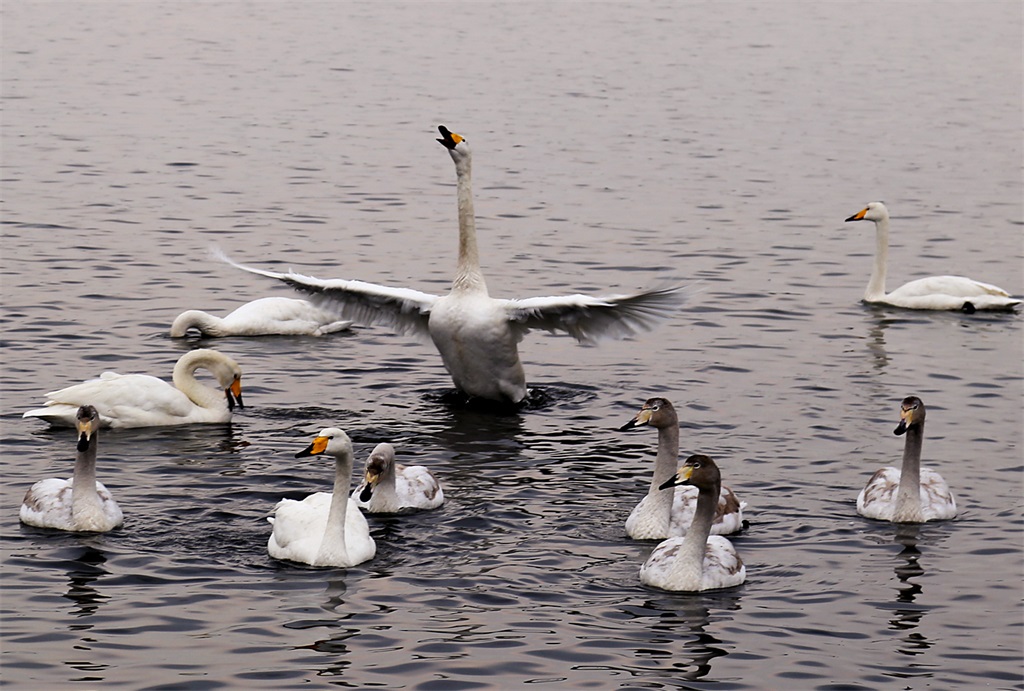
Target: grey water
(617, 146)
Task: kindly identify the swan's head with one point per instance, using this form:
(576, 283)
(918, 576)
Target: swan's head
(875, 211)
(455, 143)
(229, 376)
(331, 441)
(380, 461)
(911, 414)
(87, 422)
(656, 412)
(698, 470)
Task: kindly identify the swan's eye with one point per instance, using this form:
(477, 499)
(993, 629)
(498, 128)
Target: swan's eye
(696, 464)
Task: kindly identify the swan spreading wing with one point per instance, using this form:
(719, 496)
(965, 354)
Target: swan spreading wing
(403, 309)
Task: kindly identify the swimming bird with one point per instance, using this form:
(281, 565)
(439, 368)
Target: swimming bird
(666, 514)
(477, 335)
(913, 494)
(697, 561)
(81, 504)
(324, 529)
(932, 293)
(140, 400)
(274, 316)
(390, 487)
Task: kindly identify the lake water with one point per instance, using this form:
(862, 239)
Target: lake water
(617, 146)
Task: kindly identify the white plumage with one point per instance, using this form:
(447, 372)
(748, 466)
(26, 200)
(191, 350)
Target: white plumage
(274, 316)
(81, 503)
(662, 514)
(697, 561)
(390, 487)
(912, 494)
(140, 400)
(477, 335)
(324, 529)
(932, 293)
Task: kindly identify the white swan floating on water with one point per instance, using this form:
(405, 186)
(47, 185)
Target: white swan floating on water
(140, 400)
(81, 504)
(477, 335)
(274, 316)
(324, 529)
(932, 293)
(390, 487)
(697, 561)
(663, 514)
(912, 494)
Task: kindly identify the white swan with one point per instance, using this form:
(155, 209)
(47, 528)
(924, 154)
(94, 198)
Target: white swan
(276, 316)
(390, 487)
(139, 400)
(933, 293)
(698, 561)
(667, 514)
(913, 494)
(477, 335)
(324, 529)
(81, 503)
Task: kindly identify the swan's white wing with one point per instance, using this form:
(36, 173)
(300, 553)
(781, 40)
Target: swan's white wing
(587, 318)
(403, 309)
(878, 498)
(937, 502)
(122, 400)
(279, 315)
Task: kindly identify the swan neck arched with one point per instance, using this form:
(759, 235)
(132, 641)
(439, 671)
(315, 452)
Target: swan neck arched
(208, 324)
(184, 378)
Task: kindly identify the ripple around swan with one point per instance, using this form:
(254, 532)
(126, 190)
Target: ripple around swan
(119, 176)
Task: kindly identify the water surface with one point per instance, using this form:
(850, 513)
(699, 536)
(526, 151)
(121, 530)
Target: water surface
(617, 146)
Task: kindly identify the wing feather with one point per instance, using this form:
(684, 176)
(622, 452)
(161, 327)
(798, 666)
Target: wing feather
(587, 318)
(403, 309)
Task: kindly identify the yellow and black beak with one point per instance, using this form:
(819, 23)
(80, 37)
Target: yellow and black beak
(85, 432)
(234, 393)
(682, 477)
(641, 419)
(449, 138)
(905, 420)
(371, 482)
(318, 446)
(859, 216)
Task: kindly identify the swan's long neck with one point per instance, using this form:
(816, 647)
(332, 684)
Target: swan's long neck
(84, 499)
(691, 552)
(207, 323)
(876, 286)
(908, 497)
(333, 542)
(468, 277)
(184, 379)
(664, 466)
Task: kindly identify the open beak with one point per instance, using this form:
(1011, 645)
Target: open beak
(448, 138)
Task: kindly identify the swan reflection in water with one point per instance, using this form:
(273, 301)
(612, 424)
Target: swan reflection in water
(686, 617)
(87, 569)
(908, 612)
